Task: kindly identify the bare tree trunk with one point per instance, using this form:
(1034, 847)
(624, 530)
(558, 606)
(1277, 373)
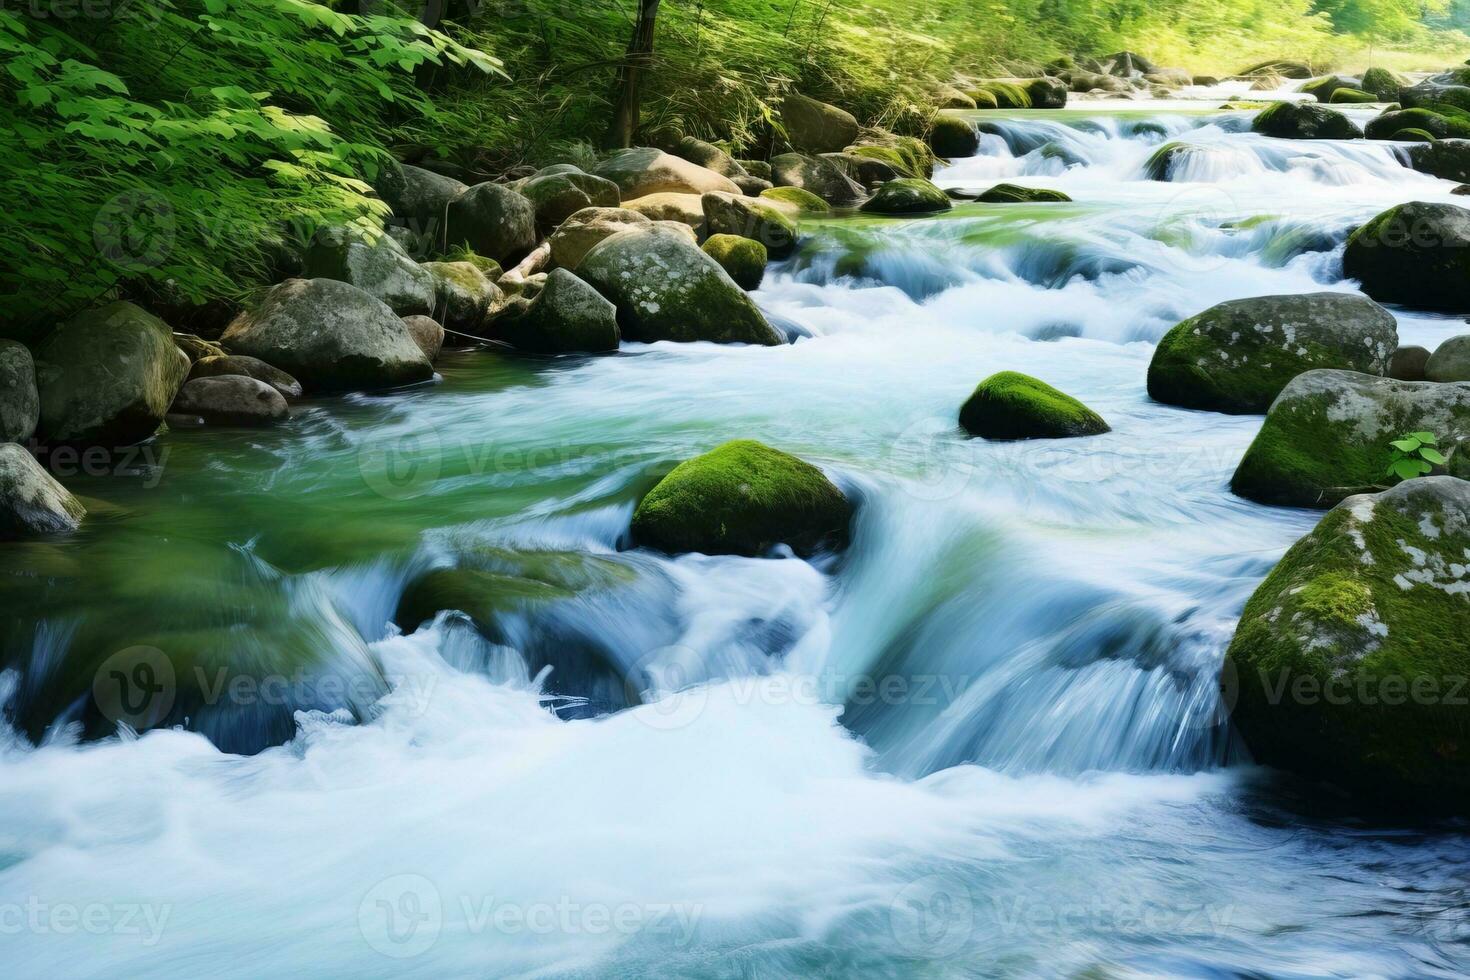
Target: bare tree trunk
(630, 76)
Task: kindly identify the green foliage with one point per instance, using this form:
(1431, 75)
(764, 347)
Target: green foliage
(221, 133)
(1414, 454)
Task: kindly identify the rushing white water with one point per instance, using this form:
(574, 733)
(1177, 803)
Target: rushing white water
(988, 740)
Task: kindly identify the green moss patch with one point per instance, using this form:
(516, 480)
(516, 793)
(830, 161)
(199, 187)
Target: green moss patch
(1011, 405)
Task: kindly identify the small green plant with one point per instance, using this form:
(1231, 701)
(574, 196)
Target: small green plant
(1414, 455)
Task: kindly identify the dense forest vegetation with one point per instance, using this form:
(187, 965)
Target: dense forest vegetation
(174, 148)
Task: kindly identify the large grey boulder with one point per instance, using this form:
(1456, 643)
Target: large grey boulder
(706, 155)
(373, 262)
(330, 335)
(728, 214)
(1417, 254)
(227, 365)
(494, 221)
(1350, 659)
(1327, 436)
(1237, 356)
(576, 235)
(31, 501)
(420, 199)
(566, 316)
(107, 376)
(817, 127)
(20, 405)
(558, 196)
(642, 170)
(818, 175)
(1450, 360)
(665, 288)
(231, 400)
(464, 295)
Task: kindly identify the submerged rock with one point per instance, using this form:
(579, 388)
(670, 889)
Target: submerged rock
(1417, 254)
(1237, 356)
(642, 170)
(743, 498)
(20, 404)
(1016, 194)
(1450, 361)
(1011, 405)
(1351, 656)
(665, 288)
(231, 400)
(1305, 121)
(107, 376)
(907, 195)
(374, 263)
(330, 335)
(818, 175)
(245, 366)
(1327, 435)
(817, 127)
(31, 502)
(494, 221)
(566, 316)
(743, 258)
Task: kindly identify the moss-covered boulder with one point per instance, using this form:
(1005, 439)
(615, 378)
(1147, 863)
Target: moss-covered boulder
(106, 377)
(1429, 93)
(642, 170)
(1322, 88)
(1305, 121)
(1447, 159)
(1011, 405)
(1387, 125)
(743, 498)
(816, 127)
(32, 503)
(575, 236)
(1237, 356)
(558, 196)
(727, 214)
(953, 136)
(1327, 435)
(1450, 361)
(482, 596)
(566, 316)
(20, 404)
(463, 295)
(241, 365)
(1048, 93)
(907, 155)
(1414, 136)
(744, 259)
(1008, 94)
(802, 200)
(1351, 657)
(1163, 161)
(1016, 194)
(665, 288)
(493, 221)
(907, 195)
(1417, 254)
(231, 400)
(1409, 363)
(818, 175)
(949, 97)
(373, 262)
(1351, 96)
(1382, 84)
(330, 335)
(983, 99)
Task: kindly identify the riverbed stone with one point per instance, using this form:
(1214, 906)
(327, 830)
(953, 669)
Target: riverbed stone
(686, 209)
(32, 503)
(420, 199)
(1391, 125)
(800, 200)
(558, 196)
(373, 262)
(1382, 84)
(1450, 360)
(1010, 405)
(1345, 655)
(1051, 93)
(907, 195)
(225, 365)
(1322, 88)
(428, 333)
(1016, 194)
(708, 156)
(953, 136)
(727, 214)
(665, 288)
(1417, 254)
(330, 335)
(1447, 159)
(107, 376)
(20, 404)
(1408, 363)
(813, 126)
(575, 236)
(1236, 356)
(1327, 435)
(1305, 121)
(566, 316)
(820, 176)
(494, 221)
(642, 170)
(231, 400)
(743, 498)
(463, 295)
(1430, 93)
(743, 258)
(1007, 93)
